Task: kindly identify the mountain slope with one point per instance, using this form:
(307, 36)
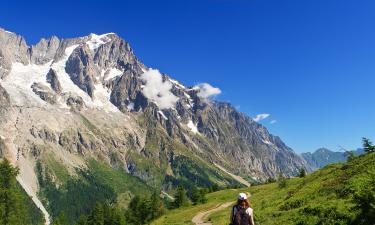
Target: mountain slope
(340, 193)
(71, 101)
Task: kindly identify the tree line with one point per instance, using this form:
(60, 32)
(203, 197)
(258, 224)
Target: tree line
(141, 209)
(16, 208)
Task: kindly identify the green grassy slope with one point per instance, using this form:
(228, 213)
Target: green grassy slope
(324, 197)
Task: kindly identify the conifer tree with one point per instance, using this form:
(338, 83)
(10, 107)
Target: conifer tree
(156, 206)
(367, 145)
(12, 207)
(180, 197)
(302, 173)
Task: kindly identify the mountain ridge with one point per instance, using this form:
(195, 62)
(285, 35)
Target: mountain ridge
(323, 157)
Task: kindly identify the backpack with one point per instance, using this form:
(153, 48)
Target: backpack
(241, 217)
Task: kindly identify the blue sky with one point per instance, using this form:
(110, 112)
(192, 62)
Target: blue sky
(309, 64)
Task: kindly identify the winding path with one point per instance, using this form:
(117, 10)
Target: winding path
(199, 218)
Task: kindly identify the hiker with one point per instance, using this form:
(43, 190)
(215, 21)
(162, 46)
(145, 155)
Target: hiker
(242, 214)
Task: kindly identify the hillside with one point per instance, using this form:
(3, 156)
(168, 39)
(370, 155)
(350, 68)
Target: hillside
(328, 196)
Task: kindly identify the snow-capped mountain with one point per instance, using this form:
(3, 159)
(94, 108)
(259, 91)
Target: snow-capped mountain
(91, 98)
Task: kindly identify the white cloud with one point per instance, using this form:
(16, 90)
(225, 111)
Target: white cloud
(157, 90)
(273, 121)
(260, 117)
(205, 90)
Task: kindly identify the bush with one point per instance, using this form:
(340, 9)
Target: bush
(292, 205)
(270, 180)
(302, 173)
(365, 204)
(327, 215)
(281, 181)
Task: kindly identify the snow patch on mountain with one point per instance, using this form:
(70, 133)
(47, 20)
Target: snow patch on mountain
(98, 40)
(112, 73)
(102, 97)
(177, 84)
(18, 83)
(193, 128)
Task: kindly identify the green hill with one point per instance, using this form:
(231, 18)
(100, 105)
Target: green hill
(342, 193)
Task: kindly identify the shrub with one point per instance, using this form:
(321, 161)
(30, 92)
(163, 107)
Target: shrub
(281, 181)
(302, 173)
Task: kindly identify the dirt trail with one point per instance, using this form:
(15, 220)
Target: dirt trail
(237, 178)
(199, 218)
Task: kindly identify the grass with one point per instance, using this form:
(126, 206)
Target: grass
(323, 197)
(58, 169)
(125, 185)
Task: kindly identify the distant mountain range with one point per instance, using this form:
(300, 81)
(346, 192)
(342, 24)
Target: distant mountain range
(323, 156)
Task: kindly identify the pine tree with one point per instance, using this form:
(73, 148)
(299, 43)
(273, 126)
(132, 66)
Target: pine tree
(60, 220)
(97, 216)
(198, 196)
(12, 207)
(180, 197)
(195, 196)
(302, 173)
(133, 212)
(156, 206)
(82, 220)
(367, 145)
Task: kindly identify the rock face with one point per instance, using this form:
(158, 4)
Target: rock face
(44, 92)
(4, 98)
(53, 81)
(44, 51)
(13, 49)
(246, 142)
(90, 97)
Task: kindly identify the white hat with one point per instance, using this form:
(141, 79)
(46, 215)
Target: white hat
(242, 196)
